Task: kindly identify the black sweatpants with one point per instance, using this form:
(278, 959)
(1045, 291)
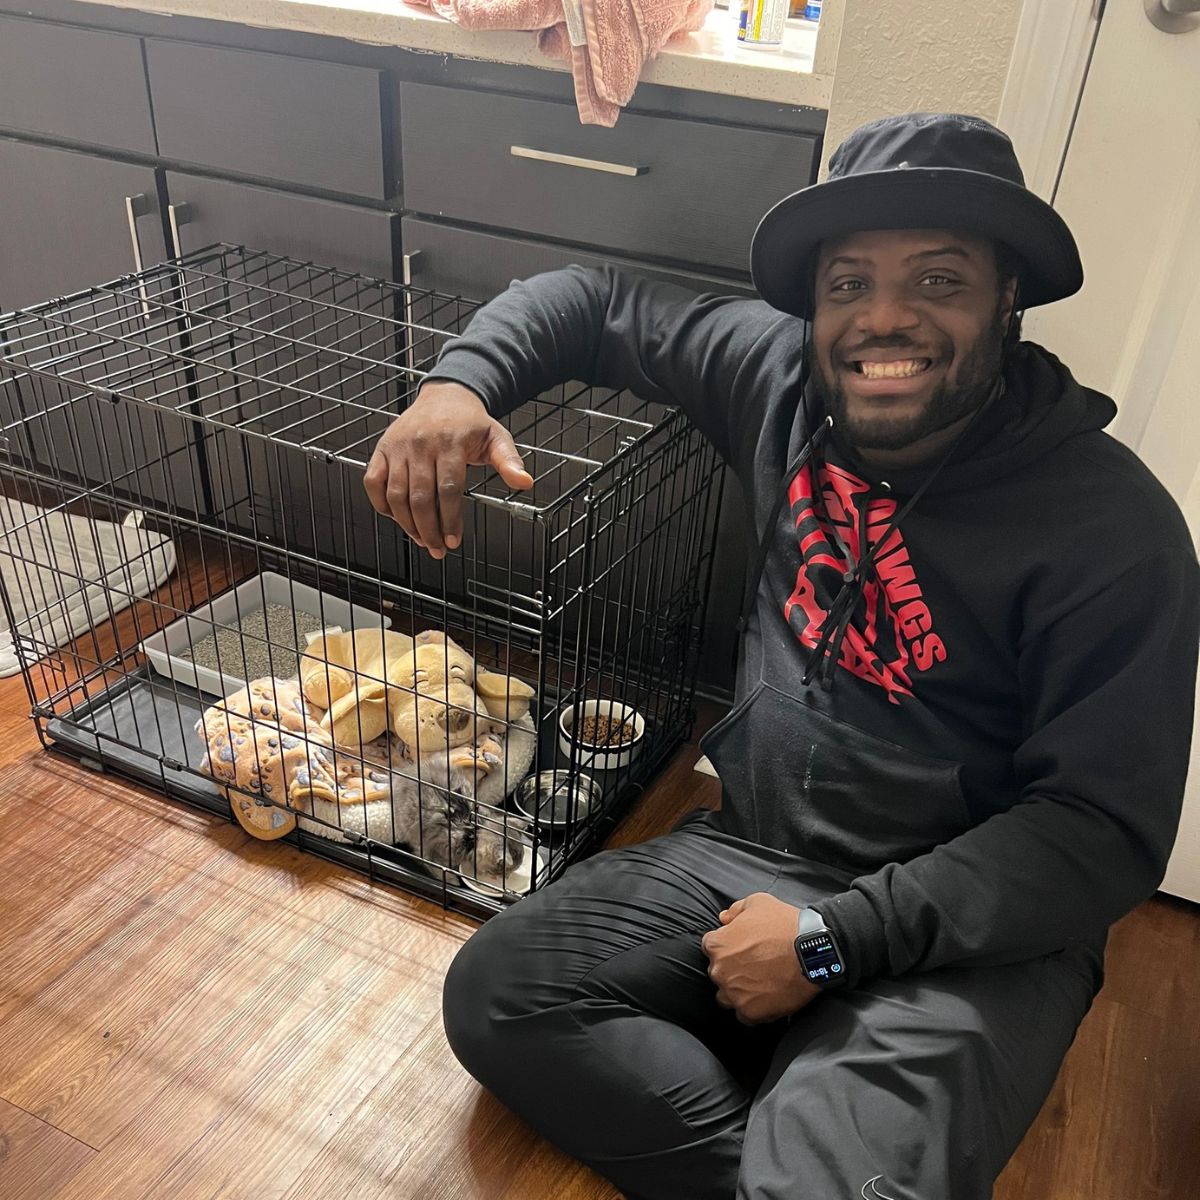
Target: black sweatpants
(587, 1009)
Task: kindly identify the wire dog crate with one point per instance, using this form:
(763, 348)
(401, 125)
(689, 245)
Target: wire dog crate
(202, 598)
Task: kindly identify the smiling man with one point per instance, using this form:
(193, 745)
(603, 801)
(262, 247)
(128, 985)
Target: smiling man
(901, 395)
(964, 702)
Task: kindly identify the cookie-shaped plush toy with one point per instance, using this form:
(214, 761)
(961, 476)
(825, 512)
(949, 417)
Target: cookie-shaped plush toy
(258, 741)
(267, 749)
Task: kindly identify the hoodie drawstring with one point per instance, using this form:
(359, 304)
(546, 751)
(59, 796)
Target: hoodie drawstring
(823, 658)
(764, 546)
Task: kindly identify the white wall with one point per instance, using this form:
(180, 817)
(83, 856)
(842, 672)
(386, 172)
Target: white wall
(913, 55)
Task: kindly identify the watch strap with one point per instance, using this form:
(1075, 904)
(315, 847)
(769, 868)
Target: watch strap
(810, 921)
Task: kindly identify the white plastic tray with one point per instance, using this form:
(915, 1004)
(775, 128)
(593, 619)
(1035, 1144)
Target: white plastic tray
(247, 597)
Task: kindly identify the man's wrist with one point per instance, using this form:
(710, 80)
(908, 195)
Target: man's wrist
(462, 378)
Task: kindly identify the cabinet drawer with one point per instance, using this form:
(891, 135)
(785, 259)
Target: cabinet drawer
(307, 228)
(465, 262)
(652, 186)
(316, 124)
(75, 84)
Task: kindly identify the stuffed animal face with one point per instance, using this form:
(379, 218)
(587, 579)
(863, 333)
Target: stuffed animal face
(505, 697)
(434, 705)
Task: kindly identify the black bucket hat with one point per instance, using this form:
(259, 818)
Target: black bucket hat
(917, 171)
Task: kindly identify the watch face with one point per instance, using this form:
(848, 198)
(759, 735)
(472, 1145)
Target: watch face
(819, 958)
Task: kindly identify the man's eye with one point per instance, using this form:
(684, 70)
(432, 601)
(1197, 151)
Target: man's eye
(848, 285)
(937, 280)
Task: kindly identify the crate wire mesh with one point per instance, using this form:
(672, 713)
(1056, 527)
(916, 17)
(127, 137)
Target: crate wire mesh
(231, 401)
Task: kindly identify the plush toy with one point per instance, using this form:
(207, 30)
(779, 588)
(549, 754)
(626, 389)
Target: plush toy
(428, 692)
(266, 740)
(399, 739)
(344, 674)
(505, 697)
(436, 707)
(277, 767)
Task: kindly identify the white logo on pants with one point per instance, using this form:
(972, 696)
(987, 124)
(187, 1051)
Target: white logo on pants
(874, 1193)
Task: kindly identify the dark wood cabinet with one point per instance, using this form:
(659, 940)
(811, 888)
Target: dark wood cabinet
(308, 228)
(651, 186)
(470, 262)
(80, 85)
(314, 124)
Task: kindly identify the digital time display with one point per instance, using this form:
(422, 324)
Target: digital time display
(819, 958)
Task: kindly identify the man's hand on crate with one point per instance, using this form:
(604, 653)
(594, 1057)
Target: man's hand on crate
(419, 469)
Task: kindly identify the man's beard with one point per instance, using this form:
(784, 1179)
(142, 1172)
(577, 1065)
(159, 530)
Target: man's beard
(978, 373)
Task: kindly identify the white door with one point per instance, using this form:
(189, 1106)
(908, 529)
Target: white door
(1130, 190)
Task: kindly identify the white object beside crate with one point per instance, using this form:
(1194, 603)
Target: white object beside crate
(268, 588)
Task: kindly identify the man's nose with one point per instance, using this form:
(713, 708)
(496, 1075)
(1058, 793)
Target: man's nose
(886, 312)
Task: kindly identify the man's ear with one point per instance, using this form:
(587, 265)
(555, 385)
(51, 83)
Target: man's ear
(1008, 296)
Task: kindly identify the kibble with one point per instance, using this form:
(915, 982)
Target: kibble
(242, 649)
(605, 731)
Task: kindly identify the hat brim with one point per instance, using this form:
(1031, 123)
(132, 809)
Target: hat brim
(913, 198)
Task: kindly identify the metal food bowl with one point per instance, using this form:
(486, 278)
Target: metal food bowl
(558, 798)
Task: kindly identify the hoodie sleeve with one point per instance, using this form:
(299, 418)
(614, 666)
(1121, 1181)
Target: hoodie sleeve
(1109, 688)
(608, 329)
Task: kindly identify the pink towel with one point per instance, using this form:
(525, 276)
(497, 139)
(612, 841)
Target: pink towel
(606, 41)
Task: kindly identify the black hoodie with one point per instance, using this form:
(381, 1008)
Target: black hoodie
(998, 764)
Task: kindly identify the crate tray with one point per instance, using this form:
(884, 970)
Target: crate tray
(135, 724)
(132, 726)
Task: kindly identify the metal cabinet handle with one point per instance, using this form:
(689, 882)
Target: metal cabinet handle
(138, 206)
(1174, 16)
(569, 160)
(406, 277)
(178, 214)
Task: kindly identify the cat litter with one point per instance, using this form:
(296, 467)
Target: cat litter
(264, 642)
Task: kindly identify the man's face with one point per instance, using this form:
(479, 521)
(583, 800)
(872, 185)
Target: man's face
(908, 332)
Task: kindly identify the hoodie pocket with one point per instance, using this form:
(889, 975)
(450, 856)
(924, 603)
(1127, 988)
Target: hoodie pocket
(797, 780)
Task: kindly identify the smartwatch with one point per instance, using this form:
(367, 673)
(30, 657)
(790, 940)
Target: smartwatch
(817, 949)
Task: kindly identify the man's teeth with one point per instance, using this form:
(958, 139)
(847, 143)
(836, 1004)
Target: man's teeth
(899, 369)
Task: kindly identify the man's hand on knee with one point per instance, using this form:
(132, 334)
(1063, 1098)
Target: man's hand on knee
(752, 960)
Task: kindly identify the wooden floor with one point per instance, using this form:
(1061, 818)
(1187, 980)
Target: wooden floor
(186, 1012)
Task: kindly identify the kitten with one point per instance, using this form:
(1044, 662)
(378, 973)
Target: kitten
(434, 815)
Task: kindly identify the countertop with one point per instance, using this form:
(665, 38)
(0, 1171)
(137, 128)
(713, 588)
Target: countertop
(707, 61)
